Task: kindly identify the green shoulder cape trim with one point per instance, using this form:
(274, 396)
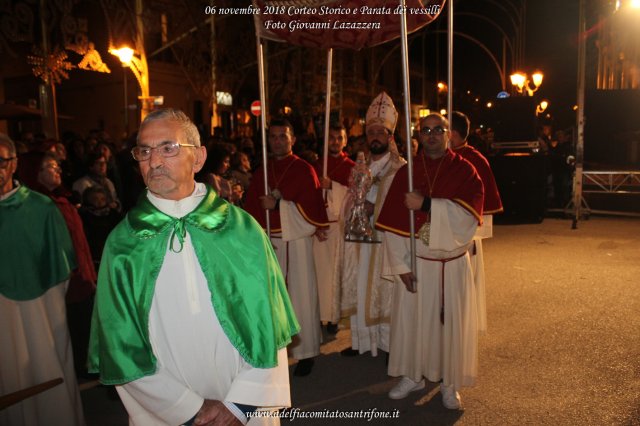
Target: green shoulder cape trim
(251, 300)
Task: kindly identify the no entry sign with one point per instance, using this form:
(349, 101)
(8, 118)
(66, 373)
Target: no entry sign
(256, 109)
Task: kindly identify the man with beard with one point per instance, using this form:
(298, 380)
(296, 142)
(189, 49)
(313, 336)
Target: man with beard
(365, 296)
(296, 214)
(327, 253)
(434, 324)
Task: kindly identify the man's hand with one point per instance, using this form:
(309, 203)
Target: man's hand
(413, 200)
(325, 183)
(268, 202)
(321, 234)
(214, 413)
(409, 281)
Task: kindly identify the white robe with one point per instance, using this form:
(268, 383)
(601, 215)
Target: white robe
(195, 359)
(34, 348)
(294, 249)
(420, 345)
(328, 255)
(477, 266)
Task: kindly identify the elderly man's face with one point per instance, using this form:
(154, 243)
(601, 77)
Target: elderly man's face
(7, 169)
(434, 141)
(169, 177)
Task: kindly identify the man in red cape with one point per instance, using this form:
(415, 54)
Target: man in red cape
(296, 214)
(434, 323)
(492, 205)
(327, 253)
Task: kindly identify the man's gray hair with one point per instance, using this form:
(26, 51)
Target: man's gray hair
(8, 143)
(188, 128)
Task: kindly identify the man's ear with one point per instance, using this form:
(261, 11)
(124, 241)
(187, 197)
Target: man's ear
(200, 158)
(293, 140)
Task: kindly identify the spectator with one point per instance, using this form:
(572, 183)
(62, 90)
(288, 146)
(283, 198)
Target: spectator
(97, 175)
(98, 219)
(41, 172)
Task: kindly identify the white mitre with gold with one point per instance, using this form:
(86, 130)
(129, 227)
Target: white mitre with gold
(382, 112)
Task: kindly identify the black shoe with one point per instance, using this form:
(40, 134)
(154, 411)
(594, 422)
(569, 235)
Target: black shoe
(332, 328)
(349, 352)
(303, 367)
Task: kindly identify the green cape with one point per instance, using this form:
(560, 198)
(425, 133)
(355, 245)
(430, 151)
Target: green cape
(36, 249)
(248, 291)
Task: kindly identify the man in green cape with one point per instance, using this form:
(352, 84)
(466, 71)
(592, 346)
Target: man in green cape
(192, 317)
(36, 259)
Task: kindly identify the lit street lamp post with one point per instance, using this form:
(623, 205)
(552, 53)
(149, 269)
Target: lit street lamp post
(542, 107)
(138, 67)
(522, 83)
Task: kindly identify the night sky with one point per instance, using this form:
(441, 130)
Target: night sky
(552, 48)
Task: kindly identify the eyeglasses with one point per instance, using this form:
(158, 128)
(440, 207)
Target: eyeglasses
(169, 149)
(438, 130)
(4, 162)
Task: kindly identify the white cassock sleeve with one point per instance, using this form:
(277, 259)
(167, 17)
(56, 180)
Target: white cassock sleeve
(263, 387)
(335, 200)
(294, 226)
(396, 255)
(486, 229)
(159, 399)
(166, 400)
(452, 226)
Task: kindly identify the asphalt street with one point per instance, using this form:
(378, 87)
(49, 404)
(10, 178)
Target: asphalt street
(562, 348)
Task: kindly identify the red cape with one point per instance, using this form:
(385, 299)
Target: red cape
(338, 168)
(492, 201)
(297, 182)
(456, 180)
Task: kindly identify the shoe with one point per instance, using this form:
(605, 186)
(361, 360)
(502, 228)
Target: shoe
(450, 398)
(349, 352)
(332, 328)
(303, 367)
(404, 387)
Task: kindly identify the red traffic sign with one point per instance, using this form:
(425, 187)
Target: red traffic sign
(256, 109)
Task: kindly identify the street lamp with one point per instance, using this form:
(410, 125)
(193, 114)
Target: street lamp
(138, 67)
(541, 107)
(522, 83)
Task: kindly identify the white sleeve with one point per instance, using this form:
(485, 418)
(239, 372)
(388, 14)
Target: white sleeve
(159, 397)
(294, 226)
(262, 387)
(396, 255)
(335, 199)
(452, 226)
(486, 229)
